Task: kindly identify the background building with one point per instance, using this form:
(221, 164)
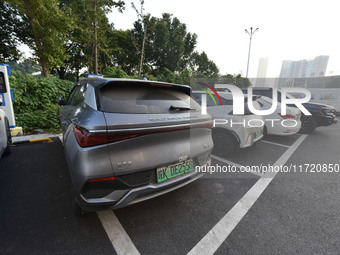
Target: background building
(320, 66)
(304, 68)
(261, 72)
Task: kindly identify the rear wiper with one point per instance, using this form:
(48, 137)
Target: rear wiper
(180, 108)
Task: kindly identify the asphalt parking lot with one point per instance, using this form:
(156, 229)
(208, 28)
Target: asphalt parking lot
(229, 213)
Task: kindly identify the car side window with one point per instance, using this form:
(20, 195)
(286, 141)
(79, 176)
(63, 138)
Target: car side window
(227, 101)
(197, 97)
(70, 96)
(77, 95)
(210, 101)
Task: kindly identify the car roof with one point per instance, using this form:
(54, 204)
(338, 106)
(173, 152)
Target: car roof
(99, 82)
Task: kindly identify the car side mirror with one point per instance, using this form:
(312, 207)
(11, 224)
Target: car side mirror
(1, 100)
(61, 101)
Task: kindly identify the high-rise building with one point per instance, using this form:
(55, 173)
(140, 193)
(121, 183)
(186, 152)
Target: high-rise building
(261, 72)
(304, 68)
(286, 69)
(308, 68)
(320, 66)
(262, 68)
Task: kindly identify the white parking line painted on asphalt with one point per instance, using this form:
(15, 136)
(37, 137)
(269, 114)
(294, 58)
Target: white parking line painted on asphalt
(219, 233)
(233, 164)
(119, 238)
(278, 144)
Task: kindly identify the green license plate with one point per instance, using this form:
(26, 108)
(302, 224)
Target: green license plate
(172, 171)
(258, 134)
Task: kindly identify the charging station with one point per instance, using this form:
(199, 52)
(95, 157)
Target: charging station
(7, 98)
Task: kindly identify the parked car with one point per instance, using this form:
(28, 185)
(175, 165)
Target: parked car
(126, 141)
(278, 124)
(322, 114)
(228, 136)
(5, 133)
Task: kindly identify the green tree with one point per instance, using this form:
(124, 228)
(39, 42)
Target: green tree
(237, 80)
(46, 32)
(122, 51)
(11, 26)
(88, 39)
(27, 66)
(167, 45)
(97, 26)
(202, 66)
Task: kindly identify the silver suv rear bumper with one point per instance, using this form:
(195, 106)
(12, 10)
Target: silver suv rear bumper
(121, 198)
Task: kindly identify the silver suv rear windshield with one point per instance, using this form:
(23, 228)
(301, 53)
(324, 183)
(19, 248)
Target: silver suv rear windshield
(142, 98)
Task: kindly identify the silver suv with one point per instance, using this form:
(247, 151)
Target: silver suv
(126, 141)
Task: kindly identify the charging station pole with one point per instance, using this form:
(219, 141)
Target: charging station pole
(5, 93)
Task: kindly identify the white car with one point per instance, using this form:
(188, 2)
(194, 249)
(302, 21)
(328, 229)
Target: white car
(278, 124)
(231, 132)
(5, 133)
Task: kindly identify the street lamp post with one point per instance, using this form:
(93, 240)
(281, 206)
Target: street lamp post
(251, 36)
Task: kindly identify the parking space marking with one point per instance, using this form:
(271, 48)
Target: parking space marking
(219, 233)
(278, 144)
(120, 240)
(232, 164)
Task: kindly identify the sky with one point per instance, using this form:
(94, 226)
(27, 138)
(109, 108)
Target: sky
(288, 30)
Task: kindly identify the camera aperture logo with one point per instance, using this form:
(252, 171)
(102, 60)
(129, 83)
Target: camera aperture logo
(239, 102)
(208, 92)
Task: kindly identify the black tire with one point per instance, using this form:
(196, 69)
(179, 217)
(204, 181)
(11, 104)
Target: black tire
(8, 149)
(308, 125)
(224, 143)
(76, 209)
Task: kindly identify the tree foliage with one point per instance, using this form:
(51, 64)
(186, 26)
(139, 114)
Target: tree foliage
(46, 30)
(88, 41)
(122, 51)
(202, 66)
(27, 66)
(168, 44)
(11, 27)
(69, 35)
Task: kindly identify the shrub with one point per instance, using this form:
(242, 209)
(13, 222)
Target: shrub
(35, 101)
